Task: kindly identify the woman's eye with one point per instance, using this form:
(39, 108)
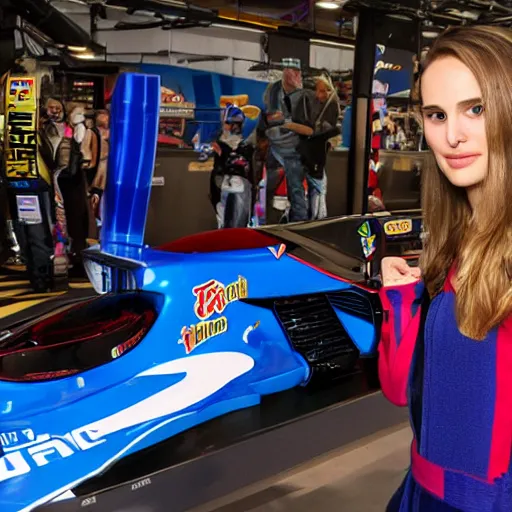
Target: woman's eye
(437, 116)
(477, 110)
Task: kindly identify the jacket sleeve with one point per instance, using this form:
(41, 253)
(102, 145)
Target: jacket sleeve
(401, 321)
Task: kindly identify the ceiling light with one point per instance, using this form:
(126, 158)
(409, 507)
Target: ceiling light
(429, 34)
(328, 5)
(85, 56)
(77, 48)
(237, 27)
(332, 43)
(401, 17)
(469, 15)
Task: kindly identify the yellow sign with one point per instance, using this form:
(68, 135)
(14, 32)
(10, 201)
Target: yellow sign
(398, 227)
(21, 93)
(195, 335)
(21, 128)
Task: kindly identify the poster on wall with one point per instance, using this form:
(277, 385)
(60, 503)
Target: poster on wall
(175, 110)
(20, 150)
(192, 102)
(393, 70)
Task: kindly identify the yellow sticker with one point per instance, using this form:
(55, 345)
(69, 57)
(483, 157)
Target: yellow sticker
(195, 335)
(398, 227)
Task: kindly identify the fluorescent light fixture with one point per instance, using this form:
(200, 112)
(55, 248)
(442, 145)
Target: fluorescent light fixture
(236, 27)
(401, 17)
(328, 5)
(332, 43)
(85, 56)
(77, 48)
(468, 15)
(429, 34)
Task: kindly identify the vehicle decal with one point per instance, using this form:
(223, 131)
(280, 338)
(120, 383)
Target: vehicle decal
(221, 368)
(248, 331)
(367, 239)
(213, 296)
(195, 335)
(278, 252)
(364, 230)
(398, 227)
(16, 437)
(127, 345)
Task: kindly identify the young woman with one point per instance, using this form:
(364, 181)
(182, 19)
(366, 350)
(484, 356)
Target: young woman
(446, 348)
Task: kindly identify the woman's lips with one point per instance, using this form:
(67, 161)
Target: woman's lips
(461, 161)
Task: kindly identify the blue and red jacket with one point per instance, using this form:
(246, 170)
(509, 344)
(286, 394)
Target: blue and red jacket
(459, 392)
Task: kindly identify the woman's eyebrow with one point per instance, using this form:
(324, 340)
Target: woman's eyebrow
(469, 103)
(430, 107)
(461, 104)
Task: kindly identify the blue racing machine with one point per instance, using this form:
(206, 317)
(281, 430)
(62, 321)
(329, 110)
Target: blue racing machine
(183, 333)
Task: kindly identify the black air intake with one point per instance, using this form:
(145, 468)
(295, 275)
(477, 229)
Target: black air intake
(316, 333)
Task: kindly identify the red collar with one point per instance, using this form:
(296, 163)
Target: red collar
(448, 284)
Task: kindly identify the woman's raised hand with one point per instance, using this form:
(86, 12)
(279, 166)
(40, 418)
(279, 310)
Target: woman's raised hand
(395, 271)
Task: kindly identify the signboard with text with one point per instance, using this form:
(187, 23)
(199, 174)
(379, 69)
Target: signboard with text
(20, 150)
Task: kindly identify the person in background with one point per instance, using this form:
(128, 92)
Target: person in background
(289, 116)
(232, 186)
(446, 346)
(314, 150)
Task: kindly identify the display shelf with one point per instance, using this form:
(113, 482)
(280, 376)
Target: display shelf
(239, 449)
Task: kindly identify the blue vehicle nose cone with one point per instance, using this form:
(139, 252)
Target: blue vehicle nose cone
(133, 140)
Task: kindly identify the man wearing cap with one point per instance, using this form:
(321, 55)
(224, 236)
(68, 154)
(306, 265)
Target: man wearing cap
(288, 117)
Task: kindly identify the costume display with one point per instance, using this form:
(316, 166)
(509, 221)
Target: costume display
(462, 426)
(77, 159)
(29, 182)
(95, 150)
(231, 180)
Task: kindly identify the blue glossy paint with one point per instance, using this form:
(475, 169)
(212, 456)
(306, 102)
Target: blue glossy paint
(84, 424)
(362, 333)
(133, 134)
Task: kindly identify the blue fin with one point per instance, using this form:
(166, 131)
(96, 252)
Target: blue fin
(133, 140)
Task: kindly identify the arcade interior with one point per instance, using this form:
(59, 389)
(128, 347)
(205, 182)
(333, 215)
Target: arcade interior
(63, 87)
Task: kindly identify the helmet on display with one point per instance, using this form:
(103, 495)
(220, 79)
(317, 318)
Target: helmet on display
(233, 115)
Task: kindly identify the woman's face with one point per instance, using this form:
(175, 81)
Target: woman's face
(322, 92)
(454, 121)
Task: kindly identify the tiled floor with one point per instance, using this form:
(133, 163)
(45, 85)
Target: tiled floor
(18, 302)
(361, 478)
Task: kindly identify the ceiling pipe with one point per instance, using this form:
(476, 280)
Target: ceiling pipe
(51, 22)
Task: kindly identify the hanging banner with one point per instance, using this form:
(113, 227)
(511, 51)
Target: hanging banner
(393, 69)
(192, 101)
(20, 150)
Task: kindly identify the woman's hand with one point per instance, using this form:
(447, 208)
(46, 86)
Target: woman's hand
(395, 271)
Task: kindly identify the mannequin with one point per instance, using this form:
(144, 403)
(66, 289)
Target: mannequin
(95, 150)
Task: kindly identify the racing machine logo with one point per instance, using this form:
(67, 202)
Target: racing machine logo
(195, 335)
(367, 239)
(398, 227)
(212, 298)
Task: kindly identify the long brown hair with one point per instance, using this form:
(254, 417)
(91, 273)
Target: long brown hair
(478, 243)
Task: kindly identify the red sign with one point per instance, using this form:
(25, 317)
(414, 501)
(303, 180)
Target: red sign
(213, 297)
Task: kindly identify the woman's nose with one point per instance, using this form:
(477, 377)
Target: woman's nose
(455, 132)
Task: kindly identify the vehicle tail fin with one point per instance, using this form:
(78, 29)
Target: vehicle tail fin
(133, 140)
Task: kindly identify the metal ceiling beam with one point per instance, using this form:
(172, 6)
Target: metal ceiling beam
(50, 21)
